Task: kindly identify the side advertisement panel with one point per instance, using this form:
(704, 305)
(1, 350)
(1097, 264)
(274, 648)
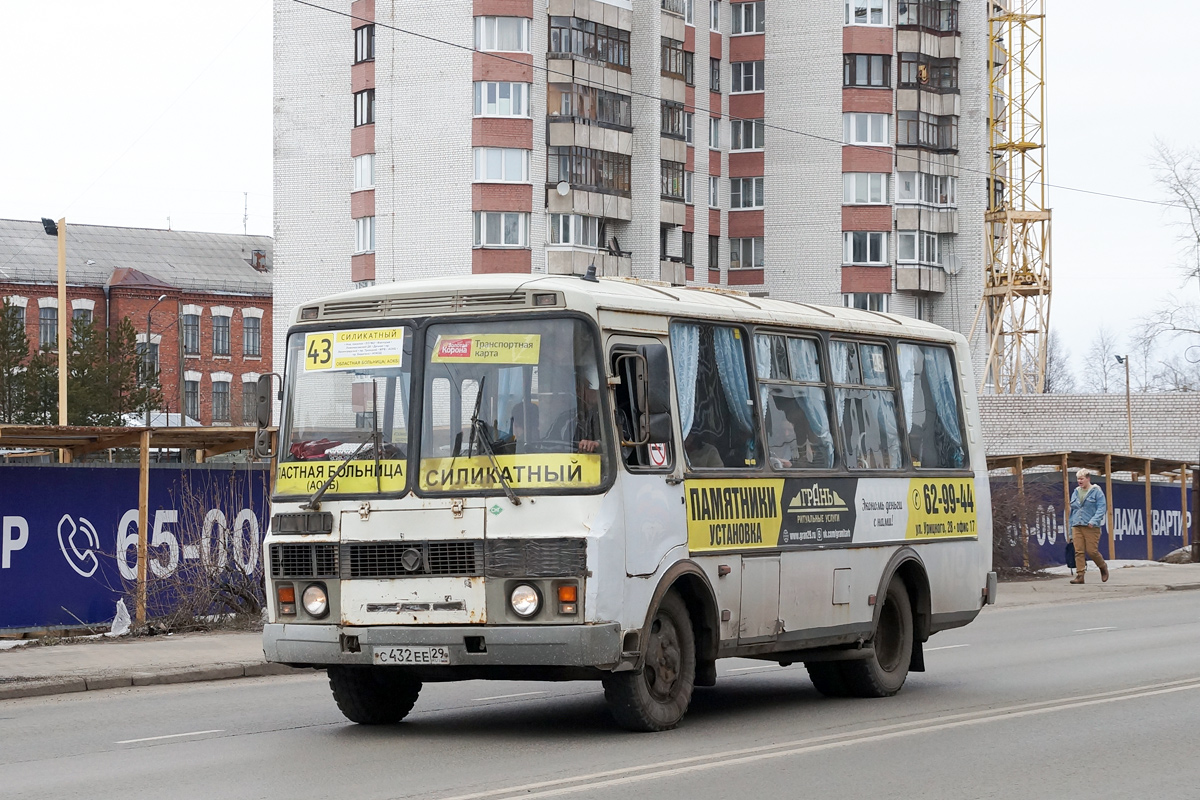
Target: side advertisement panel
(69, 538)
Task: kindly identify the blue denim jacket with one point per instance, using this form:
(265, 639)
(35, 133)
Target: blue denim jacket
(1087, 509)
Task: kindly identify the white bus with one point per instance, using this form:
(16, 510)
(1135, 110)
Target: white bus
(551, 478)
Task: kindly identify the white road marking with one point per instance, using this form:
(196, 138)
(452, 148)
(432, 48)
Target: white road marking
(1089, 630)
(945, 647)
(749, 669)
(168, 736)
(507, 696)
(665, 769)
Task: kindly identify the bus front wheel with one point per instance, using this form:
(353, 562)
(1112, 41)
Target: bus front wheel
(884, 672)
(373, 695)
(655, 697)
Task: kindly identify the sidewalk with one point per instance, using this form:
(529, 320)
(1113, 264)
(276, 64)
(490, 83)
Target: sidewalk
(35, 669)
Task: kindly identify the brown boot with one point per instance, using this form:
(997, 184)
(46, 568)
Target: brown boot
(1078, 579)
(1103, 573)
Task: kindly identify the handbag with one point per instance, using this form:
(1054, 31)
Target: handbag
(1070, 554)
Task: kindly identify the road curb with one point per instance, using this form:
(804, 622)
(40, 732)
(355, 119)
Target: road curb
(1182, 587)
(215, 672)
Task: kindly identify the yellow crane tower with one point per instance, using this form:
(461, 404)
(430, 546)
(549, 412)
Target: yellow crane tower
(1016, 295)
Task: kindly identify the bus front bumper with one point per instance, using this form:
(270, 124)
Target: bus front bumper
(540, 645)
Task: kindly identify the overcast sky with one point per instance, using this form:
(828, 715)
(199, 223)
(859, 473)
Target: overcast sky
(127, 113)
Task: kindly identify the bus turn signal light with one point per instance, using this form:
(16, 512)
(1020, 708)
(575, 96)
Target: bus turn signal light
(567, 598)
(287, 599)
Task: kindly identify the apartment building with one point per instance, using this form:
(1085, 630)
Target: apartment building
(829, 152)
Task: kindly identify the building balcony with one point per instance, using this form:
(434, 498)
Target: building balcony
(672, 270)
(575, 261)
(588, 203)
(920, 279)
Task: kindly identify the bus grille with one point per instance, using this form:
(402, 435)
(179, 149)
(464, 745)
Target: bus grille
(536, 558)
(405, 559)
(304, 560)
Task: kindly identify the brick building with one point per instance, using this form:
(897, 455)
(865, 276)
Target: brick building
(209, 337)
(826, 152)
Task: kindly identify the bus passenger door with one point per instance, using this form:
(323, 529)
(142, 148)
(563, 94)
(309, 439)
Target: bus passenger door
(760, 599)
(653, 509)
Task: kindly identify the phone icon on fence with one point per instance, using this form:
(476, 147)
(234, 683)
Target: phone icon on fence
(82, 561)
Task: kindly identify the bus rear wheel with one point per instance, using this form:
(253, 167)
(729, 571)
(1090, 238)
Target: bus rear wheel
(655, 697)
(373, 695)
(883, 673)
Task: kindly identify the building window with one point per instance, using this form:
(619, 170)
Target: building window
(864, 188)
(747, 77)
(745, 193)
(595, 170)
(191, 399)
(689, 68)
(917, 246)
(502, 34)
(191, 334)
(501, 164)
(220, 401)
(689, 127)
(19, 312)
(746, 253)
(867, 301)
(501, 229)
(748, 17)
(714, 191)
(688, 178)
(675, 6)
(47, 326)
(673, 123)
(589, 41)
(220, 336)
(919, 71)
(714, 252)
(714, 75)
(864, 247)
(689, 12)
(364, 172)
(918, 129)
(575, 230)
(364, 108)
(746, 134)
(935, 15)
(866, 70)
(920, 187)
(866, 12)
(501, 99)
(714, 15)
(251, 336)
(672, 180)
(689, 246)
(364, 43)
(714, 133)
(587, 103)
(249, 406)
(672, 58)
(83, 315)
(364, 235)
(859, 128)
(148, 360)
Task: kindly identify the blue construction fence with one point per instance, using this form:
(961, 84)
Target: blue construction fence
(1046, 529)
(69, 538)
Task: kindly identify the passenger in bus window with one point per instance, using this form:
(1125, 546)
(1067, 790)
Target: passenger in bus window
(700, 453)
(580, 426)
(523, 429)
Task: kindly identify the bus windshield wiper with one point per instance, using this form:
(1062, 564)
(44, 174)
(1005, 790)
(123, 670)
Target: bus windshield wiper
(314, 502)
(479, 430)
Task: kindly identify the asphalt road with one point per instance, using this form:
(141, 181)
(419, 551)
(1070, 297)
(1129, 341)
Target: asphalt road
(1080, 700)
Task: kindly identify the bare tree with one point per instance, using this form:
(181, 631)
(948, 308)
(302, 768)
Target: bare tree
(1060, 378)
(1100, 365)
(1178, 172)
(1143, 358)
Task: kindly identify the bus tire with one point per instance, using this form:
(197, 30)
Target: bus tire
(827, 678)
(656, 697)
(884, 672)
(373, 695)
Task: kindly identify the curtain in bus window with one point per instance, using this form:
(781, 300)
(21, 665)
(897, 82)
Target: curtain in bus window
(908, 355)
(731, 368)
(806, 367)
(931, 407)
(685, 352)
(941, 382)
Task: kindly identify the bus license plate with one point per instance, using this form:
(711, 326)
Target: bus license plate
(411, 655)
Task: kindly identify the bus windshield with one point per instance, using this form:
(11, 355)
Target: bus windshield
(348, 399)
(513, 402)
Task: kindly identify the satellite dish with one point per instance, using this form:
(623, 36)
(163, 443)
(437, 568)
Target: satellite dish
(952, 266)
(562, 188)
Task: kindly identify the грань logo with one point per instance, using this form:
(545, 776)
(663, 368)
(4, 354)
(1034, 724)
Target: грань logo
(817, 498)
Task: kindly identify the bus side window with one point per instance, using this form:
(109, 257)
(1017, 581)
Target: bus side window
(931, 407)
(636, 457)
(864, 401)
(716, 406)
(792, 398)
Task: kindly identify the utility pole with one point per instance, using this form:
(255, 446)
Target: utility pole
(1128, 405)
(146, 355)
(59, 230)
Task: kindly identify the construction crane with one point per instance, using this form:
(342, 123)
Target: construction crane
(1016, 295)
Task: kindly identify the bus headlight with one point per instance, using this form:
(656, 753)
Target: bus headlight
(316, 602)
(525, 600)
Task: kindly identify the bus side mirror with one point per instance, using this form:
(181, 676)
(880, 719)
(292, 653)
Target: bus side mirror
(654, 392)
(262, 400)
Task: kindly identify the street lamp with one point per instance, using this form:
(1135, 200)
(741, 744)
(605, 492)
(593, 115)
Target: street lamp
(59, 229)
(1128, 408)
(146, 352)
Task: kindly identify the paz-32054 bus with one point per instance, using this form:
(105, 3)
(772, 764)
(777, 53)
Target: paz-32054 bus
(551, 478)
